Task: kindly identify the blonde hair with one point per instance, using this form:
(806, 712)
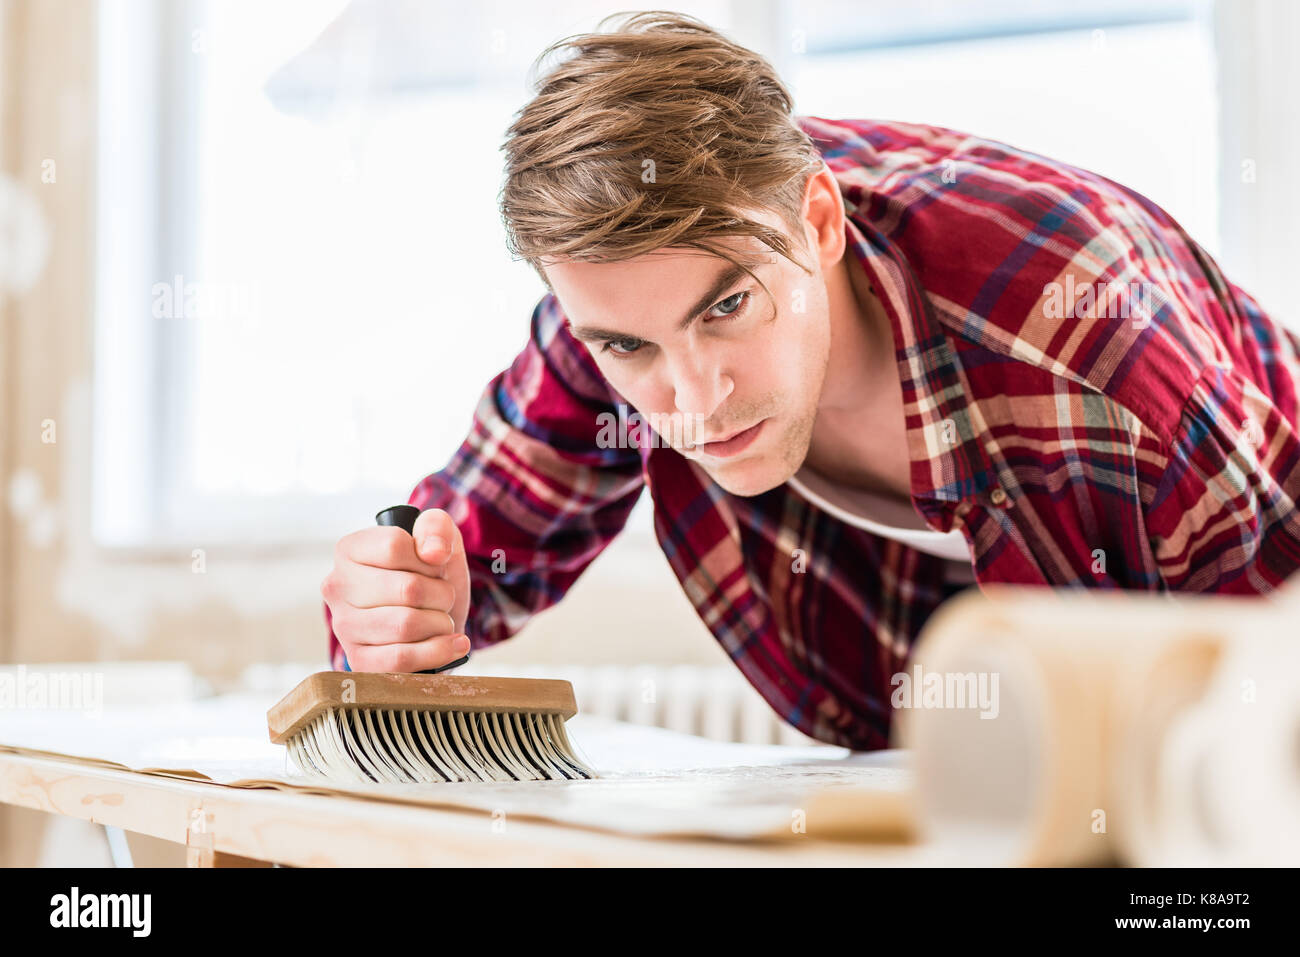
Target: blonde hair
(660, 133)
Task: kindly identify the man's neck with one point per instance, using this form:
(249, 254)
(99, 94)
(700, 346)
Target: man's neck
(859, 437)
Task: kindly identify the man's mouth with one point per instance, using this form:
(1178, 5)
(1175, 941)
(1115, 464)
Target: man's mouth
(729, 445)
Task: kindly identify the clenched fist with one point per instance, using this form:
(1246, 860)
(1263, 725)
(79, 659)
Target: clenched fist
(398, 602)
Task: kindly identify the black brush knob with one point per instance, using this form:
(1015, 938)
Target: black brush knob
(403, 517)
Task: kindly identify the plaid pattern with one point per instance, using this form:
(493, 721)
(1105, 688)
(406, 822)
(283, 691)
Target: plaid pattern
(1150, 446)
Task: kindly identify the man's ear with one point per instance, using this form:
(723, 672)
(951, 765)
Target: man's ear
(823, 215)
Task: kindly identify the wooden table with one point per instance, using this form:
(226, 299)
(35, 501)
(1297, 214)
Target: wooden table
(223, 826)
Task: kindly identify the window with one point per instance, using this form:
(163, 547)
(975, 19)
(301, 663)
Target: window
(1126, 90)
(304, 285)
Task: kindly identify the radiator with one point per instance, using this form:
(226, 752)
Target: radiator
(712, 702)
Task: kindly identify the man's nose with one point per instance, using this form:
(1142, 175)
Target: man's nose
(699, 384)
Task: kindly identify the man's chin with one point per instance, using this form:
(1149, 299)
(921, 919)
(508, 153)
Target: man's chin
(746, 478)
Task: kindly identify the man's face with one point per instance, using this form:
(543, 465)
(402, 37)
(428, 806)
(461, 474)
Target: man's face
(692, 344)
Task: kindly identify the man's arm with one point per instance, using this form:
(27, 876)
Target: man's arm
(533, 494)
(1224, 516)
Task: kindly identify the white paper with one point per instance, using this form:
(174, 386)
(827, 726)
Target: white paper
(651, 781)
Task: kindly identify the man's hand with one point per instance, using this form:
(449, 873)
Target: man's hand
(398, 602)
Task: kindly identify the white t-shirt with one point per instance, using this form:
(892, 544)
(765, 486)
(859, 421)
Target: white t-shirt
(886, 517)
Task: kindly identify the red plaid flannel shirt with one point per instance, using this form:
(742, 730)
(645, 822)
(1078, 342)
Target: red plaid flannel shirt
(1079, 435)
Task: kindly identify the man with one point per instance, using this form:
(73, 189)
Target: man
(882, 361)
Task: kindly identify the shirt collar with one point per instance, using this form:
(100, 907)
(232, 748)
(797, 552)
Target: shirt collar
(944, 427)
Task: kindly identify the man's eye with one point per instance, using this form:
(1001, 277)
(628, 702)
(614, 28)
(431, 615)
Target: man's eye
(732, 306)
(738, 303)
(622, 347)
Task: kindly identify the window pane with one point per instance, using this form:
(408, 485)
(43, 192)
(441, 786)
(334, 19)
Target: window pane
(1104, 100)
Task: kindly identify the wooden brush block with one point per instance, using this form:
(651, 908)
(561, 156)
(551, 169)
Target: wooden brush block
(326, 690)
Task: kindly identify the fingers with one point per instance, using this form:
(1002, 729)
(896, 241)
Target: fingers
(456, 571)
(413, 656)
(370, 587)
(436, 538)
(399, 602)
(389, 624)
(382, 546)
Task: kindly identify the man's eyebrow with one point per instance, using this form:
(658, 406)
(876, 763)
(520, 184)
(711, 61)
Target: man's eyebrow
(721, 283)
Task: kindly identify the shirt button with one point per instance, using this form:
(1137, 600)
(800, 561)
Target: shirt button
(997, 495)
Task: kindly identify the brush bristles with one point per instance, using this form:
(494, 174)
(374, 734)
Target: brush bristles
(400, 747)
